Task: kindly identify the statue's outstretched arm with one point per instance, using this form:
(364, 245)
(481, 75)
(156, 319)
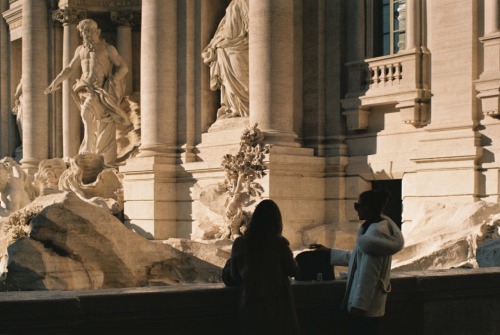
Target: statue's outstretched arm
(65, 73)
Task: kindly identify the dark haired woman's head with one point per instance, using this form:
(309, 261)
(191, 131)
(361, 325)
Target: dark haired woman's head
(371, 204)
(266, 220)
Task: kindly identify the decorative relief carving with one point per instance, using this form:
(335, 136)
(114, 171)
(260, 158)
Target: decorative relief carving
(125, 17)
(99, 3)
(69, 15)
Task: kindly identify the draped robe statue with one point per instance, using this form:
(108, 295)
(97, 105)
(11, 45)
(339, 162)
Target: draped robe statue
(227, 56)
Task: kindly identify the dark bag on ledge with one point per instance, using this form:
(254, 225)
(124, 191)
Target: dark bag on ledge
(314, 265)
(226, 275)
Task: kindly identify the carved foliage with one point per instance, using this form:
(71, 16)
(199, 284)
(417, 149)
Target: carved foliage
(242, 170)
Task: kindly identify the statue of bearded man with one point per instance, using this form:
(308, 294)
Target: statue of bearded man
(98, 92)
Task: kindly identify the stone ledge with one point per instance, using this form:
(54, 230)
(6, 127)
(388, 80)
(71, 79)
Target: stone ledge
(457, 301)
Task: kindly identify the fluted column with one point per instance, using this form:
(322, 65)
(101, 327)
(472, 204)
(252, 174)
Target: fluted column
(124, 21)
(69, 17)
(35, 80)
(159, 77)
(272, 69)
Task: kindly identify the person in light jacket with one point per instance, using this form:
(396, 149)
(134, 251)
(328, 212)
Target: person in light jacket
(369, 263)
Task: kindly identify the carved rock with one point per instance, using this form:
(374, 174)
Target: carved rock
(76, 245)
(89, 178)
(16, 189)
(209, 212)
(447, 236)
(48, 174)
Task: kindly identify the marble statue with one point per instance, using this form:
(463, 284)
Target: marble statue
(241, 171)
(227, 56)
(17, 110)
(99, 91)
(90, 179)
(16, 189)
(46, 179)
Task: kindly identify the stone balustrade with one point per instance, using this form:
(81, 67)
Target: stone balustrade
(401, 80)
(386, 72)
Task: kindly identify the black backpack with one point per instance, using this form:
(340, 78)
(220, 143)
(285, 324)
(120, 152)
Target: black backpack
(313, 263)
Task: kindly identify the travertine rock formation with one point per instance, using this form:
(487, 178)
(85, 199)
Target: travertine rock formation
(72, 244)
(447, 236)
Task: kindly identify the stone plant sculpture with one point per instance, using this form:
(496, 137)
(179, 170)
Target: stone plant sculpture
(241, 171)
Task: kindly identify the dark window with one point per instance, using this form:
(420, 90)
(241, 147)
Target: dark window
(387, 29)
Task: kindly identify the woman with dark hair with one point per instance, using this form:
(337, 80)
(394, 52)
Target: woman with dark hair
(262, 261)
(369, 263)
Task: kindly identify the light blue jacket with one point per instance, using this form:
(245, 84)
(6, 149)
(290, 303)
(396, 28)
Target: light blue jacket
(370, 267)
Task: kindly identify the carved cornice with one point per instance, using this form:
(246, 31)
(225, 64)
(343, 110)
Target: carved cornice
(69, 15)
(101, 4)
(125, 17)
(14, 18)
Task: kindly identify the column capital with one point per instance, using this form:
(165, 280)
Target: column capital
(69, 15)
(127, 18)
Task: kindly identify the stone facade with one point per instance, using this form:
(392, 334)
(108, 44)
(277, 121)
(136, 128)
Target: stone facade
(341, 116)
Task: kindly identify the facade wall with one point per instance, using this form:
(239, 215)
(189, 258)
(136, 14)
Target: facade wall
(427, 123)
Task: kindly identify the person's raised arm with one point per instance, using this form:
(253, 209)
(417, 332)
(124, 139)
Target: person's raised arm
(65, 73)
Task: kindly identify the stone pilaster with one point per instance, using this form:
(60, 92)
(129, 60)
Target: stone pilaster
(188, 58)
(124, 21)
(35, 79)
(69, 17)
(55, 99)
(489, 81)
(150, 178)
(5, 122)
(271, 59)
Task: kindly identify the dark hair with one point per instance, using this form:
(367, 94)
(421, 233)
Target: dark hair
(376, 200)
(266, 220)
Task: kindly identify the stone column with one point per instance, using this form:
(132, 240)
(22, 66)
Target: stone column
(35, 81)
(159, 77)
(69, 17)
(271, 59)
(491, 17)
(124, 21)
(413, 24)
(150, 178)
(5, 131)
